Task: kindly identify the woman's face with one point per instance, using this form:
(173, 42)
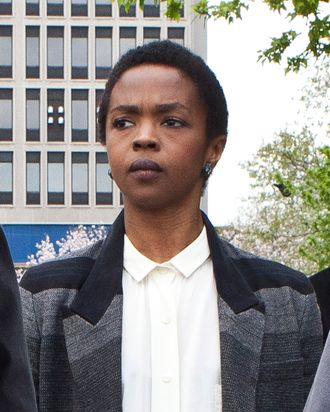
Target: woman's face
(156, 137)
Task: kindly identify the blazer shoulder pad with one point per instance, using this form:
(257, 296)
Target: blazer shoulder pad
(263, 273)
(68, 273)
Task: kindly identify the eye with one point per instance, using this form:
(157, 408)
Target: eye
(122, 123)
(173, 122)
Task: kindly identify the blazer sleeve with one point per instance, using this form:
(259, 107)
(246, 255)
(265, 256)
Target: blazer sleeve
(311, 340)
(319, 397)
(16, 386)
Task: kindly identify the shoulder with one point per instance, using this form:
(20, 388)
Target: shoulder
(68, 272)
(321, 281)
(262, 273)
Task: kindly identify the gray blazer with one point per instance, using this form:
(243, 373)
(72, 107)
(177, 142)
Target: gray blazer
(319, 397)
(270, 330)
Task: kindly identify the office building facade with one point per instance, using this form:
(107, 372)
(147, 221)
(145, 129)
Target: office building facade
(55, 57)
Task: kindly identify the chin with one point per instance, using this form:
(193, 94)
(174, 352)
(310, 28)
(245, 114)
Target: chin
(148, 203)
(148, 198)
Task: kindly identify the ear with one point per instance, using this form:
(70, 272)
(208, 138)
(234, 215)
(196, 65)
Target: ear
(215, 149)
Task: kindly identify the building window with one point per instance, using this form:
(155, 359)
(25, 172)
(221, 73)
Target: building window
(6, 51)
(54, 7)
(32, 7)
(103, 183)
(103, 8)
(55, 115)
(150, 9)
(6, 181)
(6, 115)
(131, 12)
(182, 10)
(79, 178)
(79, 8)
(79, 116)
(103, 52)
(55, 178)
(79, 53)
(55, 52)
(32, 115)
(32, 52)
(33, 178)
(176, 34)
(151, 34)
(98, 98)
(5, 7)
(127, 39)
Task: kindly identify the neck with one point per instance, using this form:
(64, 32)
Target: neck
(160, 235)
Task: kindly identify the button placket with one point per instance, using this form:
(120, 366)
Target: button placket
(165, 357)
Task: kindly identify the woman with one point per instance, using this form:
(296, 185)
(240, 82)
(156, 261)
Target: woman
(163, 315)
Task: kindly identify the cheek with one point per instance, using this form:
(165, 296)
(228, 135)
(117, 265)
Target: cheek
(193, 153)
(187, 165)
(111, 148)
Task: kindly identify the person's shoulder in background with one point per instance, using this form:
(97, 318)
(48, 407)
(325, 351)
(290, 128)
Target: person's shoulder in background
(321, 285)
(16, 385)
(319, 396)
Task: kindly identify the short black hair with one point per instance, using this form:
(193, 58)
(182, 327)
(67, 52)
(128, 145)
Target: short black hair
(171, 54)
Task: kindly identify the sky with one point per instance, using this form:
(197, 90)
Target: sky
(261, 101)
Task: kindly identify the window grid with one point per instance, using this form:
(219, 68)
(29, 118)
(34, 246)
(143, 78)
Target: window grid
(103, 52)
(33, 178)
(103, 182)
(176, 34)
(79, 176)
(79, 7)
(32, 115)
(54, 7)
(6, 115)
(6, 181)
(79, 52)
(103, 8)
(79, 115)
(150, 9)
(127, 39)
(55, 178)
(5, 7)
(32, 7)
(55, 52)
(55, 115)
(131, 12)
(32, 52)
(98, 98)
(151, 34)
(6, 51)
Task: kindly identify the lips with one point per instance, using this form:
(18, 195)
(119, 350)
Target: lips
(145, 170)
(145, 165)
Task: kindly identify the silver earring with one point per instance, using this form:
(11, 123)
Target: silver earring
(207, 170)
(110, 174)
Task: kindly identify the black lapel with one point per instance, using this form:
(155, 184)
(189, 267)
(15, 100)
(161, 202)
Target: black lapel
(105, 278)
(231, 285)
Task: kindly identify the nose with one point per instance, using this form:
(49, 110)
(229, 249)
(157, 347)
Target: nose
(146, 140)
(145, 143)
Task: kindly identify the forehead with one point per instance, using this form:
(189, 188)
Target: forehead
(153, 80)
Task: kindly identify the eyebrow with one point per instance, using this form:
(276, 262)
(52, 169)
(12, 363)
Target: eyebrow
(126, 108)
(167, 107)
(160, 108)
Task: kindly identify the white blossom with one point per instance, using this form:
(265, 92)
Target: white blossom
(75, 238)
